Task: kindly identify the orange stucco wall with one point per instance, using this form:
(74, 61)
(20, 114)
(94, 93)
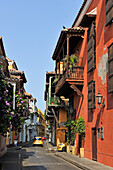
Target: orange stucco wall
(97, 117)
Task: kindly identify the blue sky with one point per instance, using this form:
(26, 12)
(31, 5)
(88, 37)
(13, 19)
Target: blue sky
(30, 30)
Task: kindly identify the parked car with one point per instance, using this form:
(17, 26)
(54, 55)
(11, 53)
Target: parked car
(43, 138)
(62, 147)
(37, 141)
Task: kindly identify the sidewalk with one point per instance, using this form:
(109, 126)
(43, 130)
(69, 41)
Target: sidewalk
(19, 146)
(82, 163)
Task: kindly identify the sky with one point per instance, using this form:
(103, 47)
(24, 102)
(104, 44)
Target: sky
(30, 30)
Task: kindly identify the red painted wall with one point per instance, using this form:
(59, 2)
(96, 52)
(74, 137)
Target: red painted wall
(97, 117)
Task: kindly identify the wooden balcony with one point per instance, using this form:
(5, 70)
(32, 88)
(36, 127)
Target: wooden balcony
(71, 76)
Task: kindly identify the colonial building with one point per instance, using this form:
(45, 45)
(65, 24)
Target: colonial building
(32, 123)
(56, 111)
(41, 124)
(86, 51)
(3, 62)
(17, 79)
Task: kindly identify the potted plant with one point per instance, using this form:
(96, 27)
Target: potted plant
(71, 135)
(81, 131)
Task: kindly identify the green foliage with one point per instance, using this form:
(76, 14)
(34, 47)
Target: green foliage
(8, 116)
(75, 126)
(73, 59)
(19, 112)
(72, 129)
(81, 126)
(6, 103)
(45, 114)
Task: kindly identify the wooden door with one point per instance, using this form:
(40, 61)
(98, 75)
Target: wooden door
(94, 144)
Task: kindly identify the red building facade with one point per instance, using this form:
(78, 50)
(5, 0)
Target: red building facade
(96, 53)
(90, 39)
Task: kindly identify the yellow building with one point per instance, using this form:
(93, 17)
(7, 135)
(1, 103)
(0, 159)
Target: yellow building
(41, 123)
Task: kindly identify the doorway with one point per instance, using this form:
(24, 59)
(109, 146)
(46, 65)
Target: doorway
(94, 144)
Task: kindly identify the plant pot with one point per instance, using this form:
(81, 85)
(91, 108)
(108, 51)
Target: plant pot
(68, 148)
(81, 152)
(73, 150)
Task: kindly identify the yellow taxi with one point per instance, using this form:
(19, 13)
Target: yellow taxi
(37, 141)
(62, 146)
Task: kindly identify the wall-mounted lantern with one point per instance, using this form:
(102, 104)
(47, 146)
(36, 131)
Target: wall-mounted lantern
(100, 99)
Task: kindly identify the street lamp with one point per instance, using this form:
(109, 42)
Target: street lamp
(100, 99)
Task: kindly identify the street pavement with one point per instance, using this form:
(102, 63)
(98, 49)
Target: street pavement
(82, 163)
(33, 158)
(27, 157)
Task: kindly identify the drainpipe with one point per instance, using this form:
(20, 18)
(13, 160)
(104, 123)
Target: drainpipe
(49, 95)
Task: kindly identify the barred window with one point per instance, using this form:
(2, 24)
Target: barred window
(91, 48)
(91, 95)
(109, 12)
(110, 68)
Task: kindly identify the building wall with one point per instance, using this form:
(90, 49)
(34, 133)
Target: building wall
(3, 148)
(98, 117)
(60, 133)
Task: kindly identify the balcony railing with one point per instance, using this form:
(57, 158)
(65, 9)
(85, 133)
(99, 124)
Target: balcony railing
(73, 73)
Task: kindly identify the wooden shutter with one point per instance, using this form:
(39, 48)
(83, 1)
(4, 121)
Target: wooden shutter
(91, 95)
(91, 44)
(110, 68)
(109, 11)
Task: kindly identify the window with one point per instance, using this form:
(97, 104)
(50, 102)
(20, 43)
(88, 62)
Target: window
(98, 132)
(91, 48)
(91, 95)
(109, 12)
(110, 68)
(102, 133)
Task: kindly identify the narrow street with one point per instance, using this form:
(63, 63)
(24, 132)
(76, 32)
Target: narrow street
(33, 158)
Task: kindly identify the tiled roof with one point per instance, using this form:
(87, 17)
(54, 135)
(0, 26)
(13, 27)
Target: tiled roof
(15, 77)
(8, 59)
(51, 72)
(27, 94)
(73, 29)
(78, 31)
(14, 71)
(32, 98)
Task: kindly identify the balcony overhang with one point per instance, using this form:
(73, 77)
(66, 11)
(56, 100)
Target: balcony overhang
(66, 90)
(77, 32)
(69, 78)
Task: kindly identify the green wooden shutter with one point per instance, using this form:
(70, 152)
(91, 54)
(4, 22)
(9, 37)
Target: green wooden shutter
(91, 48)
(91, 95)
(110, 68)
(109, 11)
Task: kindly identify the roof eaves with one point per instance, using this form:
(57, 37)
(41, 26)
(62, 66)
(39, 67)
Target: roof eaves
(82, 12)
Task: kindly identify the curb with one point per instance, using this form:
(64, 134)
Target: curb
(19, 146)
(79, 165)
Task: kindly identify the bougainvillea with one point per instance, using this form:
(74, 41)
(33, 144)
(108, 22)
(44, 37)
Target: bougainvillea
(19, 112)
(9, 117)
(6, 103)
